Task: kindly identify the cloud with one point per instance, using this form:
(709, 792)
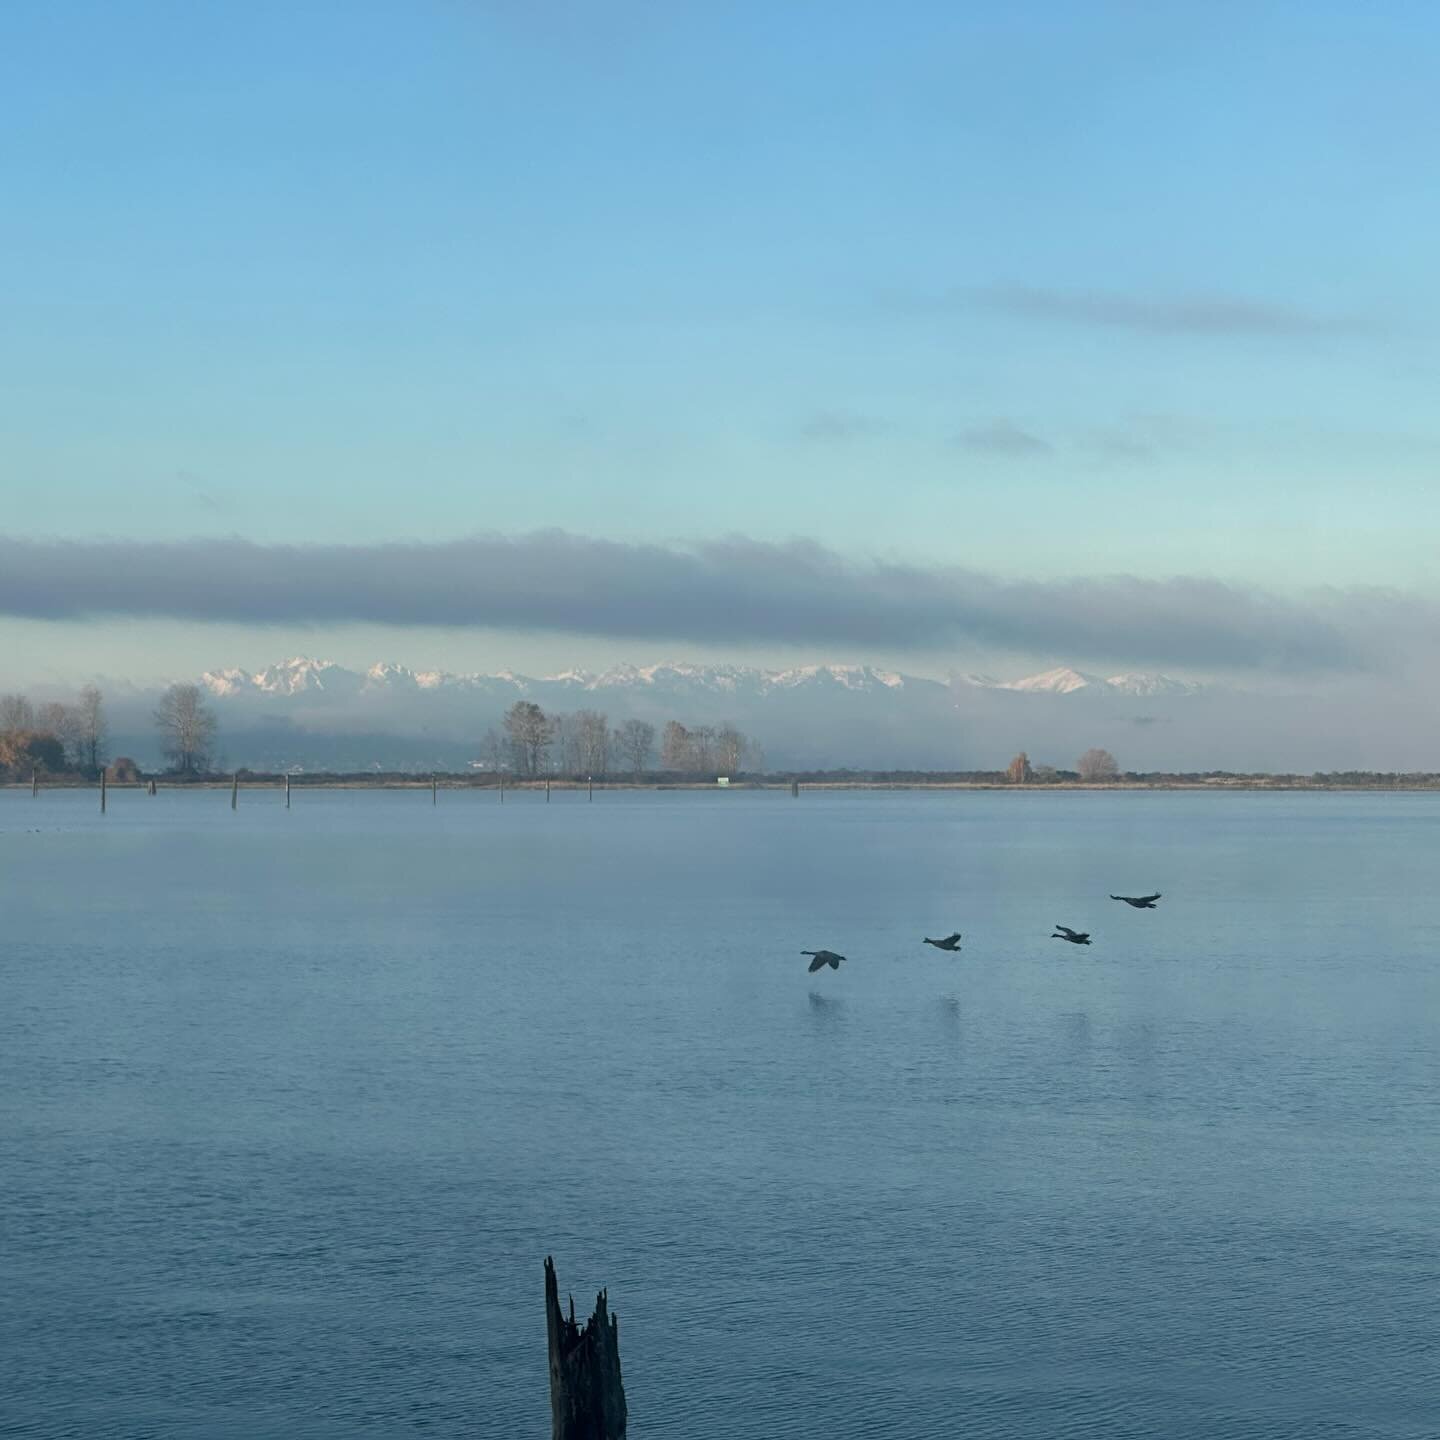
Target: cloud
(1152, 315)
(1000, 437)
(1117, 444)
(839, 425)
(728, 591)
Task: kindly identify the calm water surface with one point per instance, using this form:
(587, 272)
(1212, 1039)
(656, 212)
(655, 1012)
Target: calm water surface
(292, 1106)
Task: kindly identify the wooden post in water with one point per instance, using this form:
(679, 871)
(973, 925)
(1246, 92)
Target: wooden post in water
(434, 789)
(795, 789)
(34, 783)
(502, 787)
(547, 792)
(287, 792)
(235, 791)
(590, 781)
(587, 1398)
(152, 784)
(102, 791)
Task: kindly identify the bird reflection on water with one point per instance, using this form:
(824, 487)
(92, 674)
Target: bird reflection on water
(950, 1014)
(826, 1010)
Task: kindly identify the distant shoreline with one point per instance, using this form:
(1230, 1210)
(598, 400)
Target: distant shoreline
(1252, 784)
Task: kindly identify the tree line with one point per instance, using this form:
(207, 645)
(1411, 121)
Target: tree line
(55, 737)
(59, 737)
(1095, 767)
(531, 744)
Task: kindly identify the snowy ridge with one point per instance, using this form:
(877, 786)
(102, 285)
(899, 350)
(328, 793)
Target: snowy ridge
(1065, 680)
(314, 712)
(302, 676)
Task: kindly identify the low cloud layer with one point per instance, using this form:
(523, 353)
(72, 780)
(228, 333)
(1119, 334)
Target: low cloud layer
(730, 591)
(1160, 315)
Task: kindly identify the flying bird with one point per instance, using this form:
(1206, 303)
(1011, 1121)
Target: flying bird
(1140, 902)
(822, 959)
(1075, 937)
(950, 942)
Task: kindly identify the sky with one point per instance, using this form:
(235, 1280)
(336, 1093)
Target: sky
(474, 335)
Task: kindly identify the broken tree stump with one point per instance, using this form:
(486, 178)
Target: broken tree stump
(587, 1399)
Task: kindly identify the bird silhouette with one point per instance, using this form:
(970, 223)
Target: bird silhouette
(822, 959)
(1075, 937)
(1140, 902)
(950, 942)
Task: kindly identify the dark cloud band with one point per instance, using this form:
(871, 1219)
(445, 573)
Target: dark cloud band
(734, 590)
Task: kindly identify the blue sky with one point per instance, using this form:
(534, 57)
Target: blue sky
(1045, 291)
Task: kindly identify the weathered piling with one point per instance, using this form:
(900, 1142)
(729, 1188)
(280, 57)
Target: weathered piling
(152, 785)
(587, 1398)
(34, 783)
(547, 792)
(235, 791)
(102, 792)
(434, 789)
(590, 787)
(502, 789)
(795, 789)
(287, 792)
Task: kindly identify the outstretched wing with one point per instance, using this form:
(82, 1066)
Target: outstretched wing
(1147, 898)
(820, 961)
(951, 939)
(1066, 930)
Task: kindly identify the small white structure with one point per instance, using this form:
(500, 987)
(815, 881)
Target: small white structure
(722, 780)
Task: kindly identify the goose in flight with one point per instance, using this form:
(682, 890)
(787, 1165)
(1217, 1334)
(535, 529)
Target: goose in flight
(950, 942)
(1075, 937)
(1140, 902)
(822, 959)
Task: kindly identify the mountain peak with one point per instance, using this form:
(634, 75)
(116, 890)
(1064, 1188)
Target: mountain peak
(1062, 680)
(1142, 684)
(1066, 680)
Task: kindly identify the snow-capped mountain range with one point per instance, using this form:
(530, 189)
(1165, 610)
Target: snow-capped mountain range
(304, 676)
(317, 715)
(321, 714)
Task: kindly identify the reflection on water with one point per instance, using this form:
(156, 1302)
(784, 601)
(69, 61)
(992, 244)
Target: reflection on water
(950, 1013)
(293, 1105)
(826, 1010)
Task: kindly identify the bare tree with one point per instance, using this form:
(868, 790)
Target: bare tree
(16, 713)
(530, 733)
(1097, 766)
(676, 751)
(1019, 771)
(187, 729)
(59, 720)
(593, 733)
(94, 731)
(493, 750)
(569, 758)
(702, 748)
(635, 740)
(730, 749)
